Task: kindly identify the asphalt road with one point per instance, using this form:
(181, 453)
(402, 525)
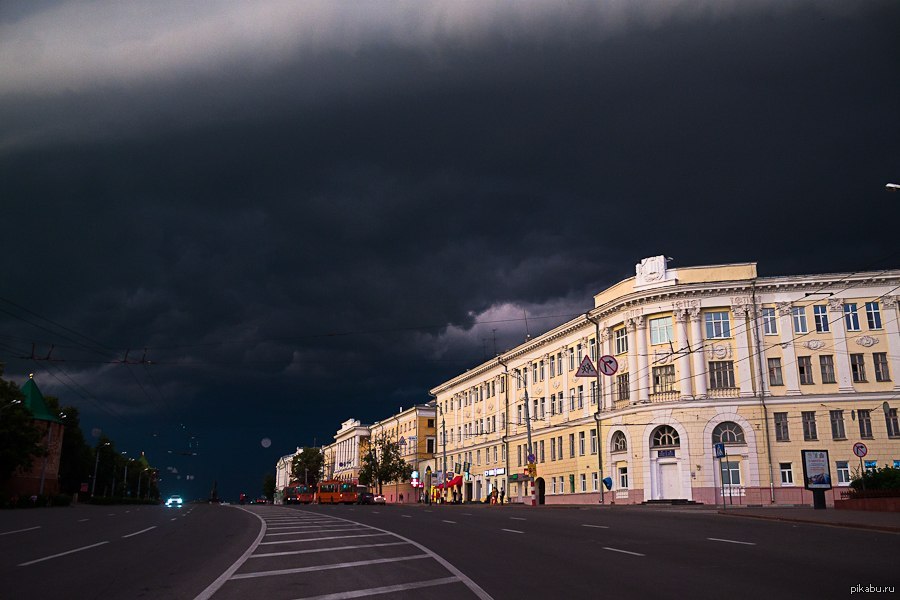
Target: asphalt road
(338, 552)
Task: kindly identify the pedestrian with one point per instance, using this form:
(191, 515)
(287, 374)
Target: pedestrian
(401, 498)
(502, 494)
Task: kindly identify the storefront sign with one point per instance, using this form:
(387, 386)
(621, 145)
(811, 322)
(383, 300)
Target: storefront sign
(665, 453)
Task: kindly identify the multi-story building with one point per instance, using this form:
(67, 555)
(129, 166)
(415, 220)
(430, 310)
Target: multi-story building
(342, 457)
(414, 431)
(715, 354)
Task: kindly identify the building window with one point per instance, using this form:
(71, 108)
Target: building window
(661, 330)
(542, 370)
(559, 403)
(881, 366)
(571, 398)
(782, 433)
(495, 453)
(621, 337)
(552, 449)
(775, 377)
(583, 479)
(804, 368)
(820, 316)
(619, 443)
(858, 368)
(787, 475)
(429, 445)
(571, 445)
(843, 472)
(580, 396)
(542, 456)
(721, 374)
(873, 315)
(851, 317)
(519, 415)
(594, 394)
(595, 481)
(552, 365)
(837, 425)
(731, 472)
(580, 443)
(553, 486)
(809, 425)
(717, 325)
(870, 465)
(622, 387)
(770, 321)
(864, 417)
(519, 455)
(593, 441)
(623, 478)
(593, 346)
(728, 432)
(665, 436)
(826, 364)
(571, 359)
(798, 314)
(663, 379)
(534, 372)
(890, 421)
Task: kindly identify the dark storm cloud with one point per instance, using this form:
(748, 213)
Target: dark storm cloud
(304, 214)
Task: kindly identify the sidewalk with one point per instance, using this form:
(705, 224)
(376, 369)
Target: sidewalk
(859, 519)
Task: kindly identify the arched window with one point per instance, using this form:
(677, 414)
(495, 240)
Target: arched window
(664, 435)
(619, 443)
(728, 432)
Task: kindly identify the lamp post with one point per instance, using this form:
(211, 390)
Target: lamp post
(9, 405)
(125, 477)
(140, 476)
(96, 464)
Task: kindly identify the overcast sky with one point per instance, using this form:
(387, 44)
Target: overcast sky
(313, 211)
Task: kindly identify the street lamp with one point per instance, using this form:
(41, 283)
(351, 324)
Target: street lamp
(892, 187)
(10, 404)
(96, 464)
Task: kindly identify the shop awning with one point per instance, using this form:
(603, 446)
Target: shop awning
(456, 481)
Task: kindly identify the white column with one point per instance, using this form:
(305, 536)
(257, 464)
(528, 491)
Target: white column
(631, 327)
(742, 338)
(643, 371)
(841, 354)
(893, 337)
(684, 358)
(786, 331)
(698, 352)
(606, 383)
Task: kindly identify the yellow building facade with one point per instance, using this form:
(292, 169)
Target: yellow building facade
(413, 429)
(767, 366)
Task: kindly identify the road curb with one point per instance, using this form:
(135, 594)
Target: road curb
(868, 526)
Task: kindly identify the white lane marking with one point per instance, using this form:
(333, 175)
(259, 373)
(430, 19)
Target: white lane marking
(429, 511)
(623, 551)
(597, 526)
(174, 519)
(110, 514)
(332, 537)
(314, 550)
(314, 531)
(453, 522)
(20, 530)
(83, 520)
(468, 514)
(732, 541)
(375, 512)
(408, 516)
(345, 565)
(473, 587)
(220, 581)
(512, 530)
(31, 562)
(518, 518)
(139, 532)
(383, 590)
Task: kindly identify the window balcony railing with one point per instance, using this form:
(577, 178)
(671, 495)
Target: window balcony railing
(670, 396)
(723, 392)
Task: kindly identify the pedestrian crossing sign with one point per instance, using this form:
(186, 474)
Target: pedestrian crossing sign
(587, 369)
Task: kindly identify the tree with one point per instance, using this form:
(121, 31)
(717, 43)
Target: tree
(306, 467)
(75, 466)
(382, 463)
(269, 486)
(20, 441)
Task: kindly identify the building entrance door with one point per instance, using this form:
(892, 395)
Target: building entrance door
(669, 483)
(541, 489)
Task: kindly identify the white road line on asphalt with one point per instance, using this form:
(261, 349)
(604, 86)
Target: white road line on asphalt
(315, 531)
(345, 565)
(518, 518)
(31, 562)
(406, 516)
(732, 541)
(174, 519)
(83, 520)
(467, 514)
(512, 530)
(110, 514)
(473, 587)
(139, 532)
(623, 551)
(452, 522)
(314, 550)
(333, 537)
(383, 590)
(220, 581)
(304, 527)
(596, 526)
(20, 530)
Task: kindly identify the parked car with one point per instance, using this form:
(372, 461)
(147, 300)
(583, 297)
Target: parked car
(366, 498)
(378, 499)
(174, 501)
(260, 500)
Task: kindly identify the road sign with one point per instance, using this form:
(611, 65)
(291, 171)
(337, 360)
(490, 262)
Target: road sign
(531, 458)
(402, 441)
(608, 365)
(859, 449)
(586, 369)
(720, 450)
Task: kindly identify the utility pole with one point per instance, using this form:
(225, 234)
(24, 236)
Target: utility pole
(530, 450)
(599, 402)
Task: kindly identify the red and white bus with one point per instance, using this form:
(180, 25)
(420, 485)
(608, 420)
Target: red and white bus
(334, 491)
(299, 494)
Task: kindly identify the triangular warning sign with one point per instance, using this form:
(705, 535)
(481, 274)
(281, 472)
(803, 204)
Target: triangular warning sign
(586, 368)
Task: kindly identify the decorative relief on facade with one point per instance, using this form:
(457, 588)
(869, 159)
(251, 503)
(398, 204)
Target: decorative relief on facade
(653, 271)
(814, 344)
(478, 411)
(784, 308)
(556, 385)
(835, 305)
(605, 332)
(718, 351)
(867, 341)
(740, 305)
(661, 357)
(680, 315)
(889, 301)
(491, 406)
(538, 390)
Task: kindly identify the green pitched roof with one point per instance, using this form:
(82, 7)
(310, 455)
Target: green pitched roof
(35, 403)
